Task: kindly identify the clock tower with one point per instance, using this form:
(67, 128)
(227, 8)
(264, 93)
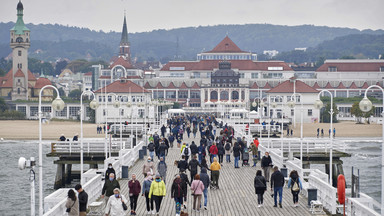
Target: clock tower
(20, 43)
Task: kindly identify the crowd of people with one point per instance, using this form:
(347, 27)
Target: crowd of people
(206, 155)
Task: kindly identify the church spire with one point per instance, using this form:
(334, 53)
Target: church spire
(124, 43)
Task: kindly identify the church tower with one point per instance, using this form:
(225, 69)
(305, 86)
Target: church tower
(20, 43)
(124, 44)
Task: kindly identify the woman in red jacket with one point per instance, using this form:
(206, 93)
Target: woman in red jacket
(134, 192)
(213, 150)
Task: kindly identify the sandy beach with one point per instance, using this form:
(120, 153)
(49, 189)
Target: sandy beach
(29, 130)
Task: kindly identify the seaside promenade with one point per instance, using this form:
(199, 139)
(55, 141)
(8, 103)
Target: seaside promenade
(236, 195)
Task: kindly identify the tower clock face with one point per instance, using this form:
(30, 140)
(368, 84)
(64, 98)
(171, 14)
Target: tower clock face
(19, 40)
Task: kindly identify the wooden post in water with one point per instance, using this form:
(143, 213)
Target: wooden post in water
(68, 174)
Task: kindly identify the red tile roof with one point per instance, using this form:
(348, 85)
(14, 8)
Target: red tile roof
(159, 86)
(105, 77)
(267, 86)
(341, 86)
(328, 86)
(353, 86)
(41, 82)
(183, 86)
(195, 86)
(254, 86)
(287, 87)
(147, 86)
(316, 86)
(88, 74)
(171, 86)
(31, 77)
(212, 64)
(226, 46)
(133, 77)
(365, 85)
(121, 61)
(19, 73)
(123, 86)
(351, 66)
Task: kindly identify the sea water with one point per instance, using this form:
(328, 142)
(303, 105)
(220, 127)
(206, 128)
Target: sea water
(15, 184)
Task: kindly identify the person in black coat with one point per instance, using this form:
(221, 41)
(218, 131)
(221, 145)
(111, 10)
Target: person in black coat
(186, 182)
(109, 171)
(260, 187)
(193, 165)
(266, 163)
(194, 148)
(277, 184)
(62, 138)
(83, 199)
(236, 154)
(182, 164)
(221, 152)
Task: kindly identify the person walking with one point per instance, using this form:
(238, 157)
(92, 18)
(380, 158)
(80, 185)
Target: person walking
(157, 192)
(215, 169)
(277, 183)
(134, 192)
(109, 171)
(236, 154)
(220, 152)
(260, 187)
(151, 149)
(192, 166)
(178, 192)
(194, 148)
(145, 192)
(148, 167)
(186, 152)
(194, 131)
(334, 132)
(266, 163)
(72, 204)
(115, 205)
(187, 183)
(204, 177)
(162, 169)
(213, 150)
(201, 152)
(197, 188)
(318, 132)
(109, 185)
(228, 151)
(294, 183)
(171, 139)
(83, 200)
(322, 132)
(162, 150)
(182, 164)
(255, 151)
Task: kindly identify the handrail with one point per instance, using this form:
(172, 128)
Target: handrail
(326, 193)
(357, 206)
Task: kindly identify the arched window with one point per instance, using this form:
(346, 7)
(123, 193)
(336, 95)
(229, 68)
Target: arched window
(19, 40)
(235, 95)
(214, 95)
(18, 90)
(224, 95)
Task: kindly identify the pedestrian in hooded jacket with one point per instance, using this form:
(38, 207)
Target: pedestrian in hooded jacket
(178, 192)
(157, 192)
(162, 169)
(260, 187)
(215, 169)
(148, 167)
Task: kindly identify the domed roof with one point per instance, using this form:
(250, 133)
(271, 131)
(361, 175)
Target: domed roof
(20, 6)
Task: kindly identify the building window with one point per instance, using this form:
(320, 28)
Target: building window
(62, 113)
(195, 95)
(19, 52)
(309, 112)
(18, 80)
(104, 112)
(158, 94)
(332, 69)
(183, 94)
(255, 75)
(22, 109)
(381, 68)
(241, 75)
(18, 90)
(122, 112)
(170, 94)
(74, 111)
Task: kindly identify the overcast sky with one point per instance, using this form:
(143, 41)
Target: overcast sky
(147, 15)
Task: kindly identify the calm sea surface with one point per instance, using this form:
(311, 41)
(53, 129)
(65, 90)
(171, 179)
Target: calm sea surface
(15, 186)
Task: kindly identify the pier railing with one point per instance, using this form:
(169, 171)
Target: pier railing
(89, 146)
(362, 206)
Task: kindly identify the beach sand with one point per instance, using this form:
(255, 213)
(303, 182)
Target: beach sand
(29, 130)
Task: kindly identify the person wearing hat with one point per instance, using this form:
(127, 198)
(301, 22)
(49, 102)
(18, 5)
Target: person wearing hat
(178, 192)
(157, 192)
(76, 137)
(62, 138)
(148, 167)
(115, 204)
(109, 171)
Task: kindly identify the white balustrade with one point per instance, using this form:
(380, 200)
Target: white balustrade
(326, 193)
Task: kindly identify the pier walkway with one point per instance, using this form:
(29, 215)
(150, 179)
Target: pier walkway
(236, 195)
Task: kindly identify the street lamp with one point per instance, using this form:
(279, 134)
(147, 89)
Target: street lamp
(291, 104)
(23, 163)
(57, 105)
(274, 105)
(115, 104)
(93, 105)
(318, 105)
(365, 106)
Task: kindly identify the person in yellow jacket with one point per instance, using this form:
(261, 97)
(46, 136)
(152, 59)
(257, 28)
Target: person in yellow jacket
(215, 170)
(157, 192)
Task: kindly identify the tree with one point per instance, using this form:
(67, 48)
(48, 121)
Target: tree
(75, 94)
(60, 66)
(325, 115)
(3, 105)
(359, 114)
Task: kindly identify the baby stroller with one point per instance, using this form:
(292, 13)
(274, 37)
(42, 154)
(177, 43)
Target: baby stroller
(245, 157)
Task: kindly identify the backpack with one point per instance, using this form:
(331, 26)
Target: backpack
(295, 186)
(227, 147)
(186, 151)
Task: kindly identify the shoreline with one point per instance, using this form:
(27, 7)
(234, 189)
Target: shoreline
(29, 130)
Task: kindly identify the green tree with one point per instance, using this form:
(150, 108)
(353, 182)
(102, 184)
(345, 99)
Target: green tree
(3, 105)
(325, 115)
(75, 94)
(359, 114)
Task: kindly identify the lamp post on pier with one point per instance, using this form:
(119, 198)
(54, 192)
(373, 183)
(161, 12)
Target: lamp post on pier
(292, 104)
(318, 105)
(274, 105)
(365, 106)
(57, 105)
(93, 106)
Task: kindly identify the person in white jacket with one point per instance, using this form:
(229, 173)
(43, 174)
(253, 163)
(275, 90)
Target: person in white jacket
(115, 204)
